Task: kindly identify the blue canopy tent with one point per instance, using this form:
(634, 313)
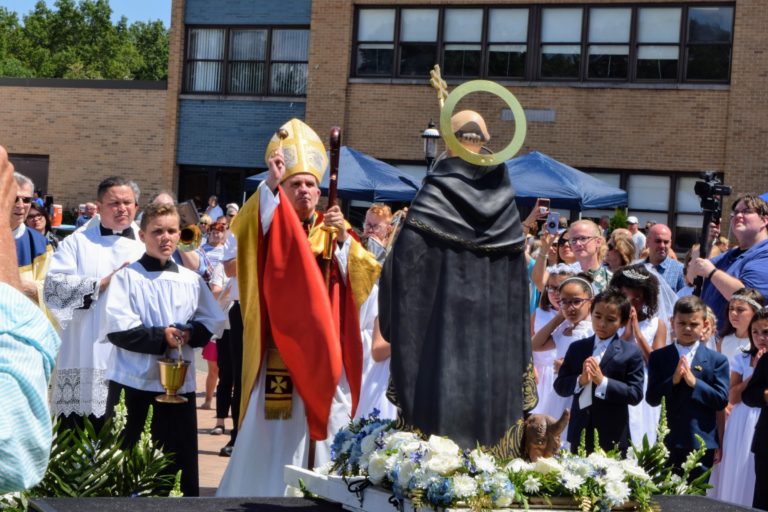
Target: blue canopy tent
(764, 197)
(363, 178)
(537, 175)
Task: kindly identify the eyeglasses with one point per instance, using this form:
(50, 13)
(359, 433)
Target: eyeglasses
(562, 242)
(745, 212)
(553, 289)
(573, 303)
(35, 217)
(25, 200)
(372, 227)
(581, 240)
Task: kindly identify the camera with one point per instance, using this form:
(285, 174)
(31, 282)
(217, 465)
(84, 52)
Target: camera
(711, 192)
(553, 223)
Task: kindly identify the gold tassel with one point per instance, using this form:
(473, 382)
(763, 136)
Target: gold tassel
(279, 393)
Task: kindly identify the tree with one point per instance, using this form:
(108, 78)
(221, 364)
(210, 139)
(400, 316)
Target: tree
(79, 40)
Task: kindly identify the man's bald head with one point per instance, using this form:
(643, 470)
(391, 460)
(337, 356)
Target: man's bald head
(659, 243)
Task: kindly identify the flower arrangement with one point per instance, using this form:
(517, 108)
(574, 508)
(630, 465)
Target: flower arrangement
(436, 472)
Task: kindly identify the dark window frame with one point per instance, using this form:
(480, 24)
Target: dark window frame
(534, 44)
(669, 215)
(227, 61)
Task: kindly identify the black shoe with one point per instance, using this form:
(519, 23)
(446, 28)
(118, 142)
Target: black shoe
(226, 451)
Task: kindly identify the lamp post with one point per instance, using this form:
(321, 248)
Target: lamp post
(430, 136)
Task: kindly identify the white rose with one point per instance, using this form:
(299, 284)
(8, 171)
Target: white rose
(377, 468)
(393, 440)
(443, 463)
(464, 486)
(503, 500)
(484, 462)
(518, 465)
(631, 469)
(547, 465)
(438, 444)
(406, 470)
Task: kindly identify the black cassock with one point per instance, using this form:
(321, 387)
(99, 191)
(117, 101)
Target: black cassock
(453, 302)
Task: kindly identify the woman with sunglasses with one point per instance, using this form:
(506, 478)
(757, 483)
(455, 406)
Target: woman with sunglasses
(39, 220)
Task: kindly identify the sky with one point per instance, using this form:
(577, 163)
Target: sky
(134, 10)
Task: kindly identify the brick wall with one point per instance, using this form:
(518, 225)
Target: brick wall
(230, 133)
(686, 128)
(89, 134)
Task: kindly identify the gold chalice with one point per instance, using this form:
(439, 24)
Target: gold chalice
(172, 374)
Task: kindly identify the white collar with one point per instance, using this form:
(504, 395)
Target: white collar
(19, 231)
(687, 349)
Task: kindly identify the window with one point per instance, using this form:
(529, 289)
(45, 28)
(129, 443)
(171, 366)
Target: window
(608, 50)
(644, 42)
(560, 43)
(658, 43)
(247, 61)
(507, 42)
(418, 41)
(666, 197)
(463, 37)
(709, 43)
(375, 50)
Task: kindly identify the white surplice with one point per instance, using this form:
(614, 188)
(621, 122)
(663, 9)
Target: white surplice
(78, 265)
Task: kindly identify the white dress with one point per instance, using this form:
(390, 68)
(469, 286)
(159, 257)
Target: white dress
(644, 419)
(79, 384)
(733, 345)
(733, 479)
(562, 341)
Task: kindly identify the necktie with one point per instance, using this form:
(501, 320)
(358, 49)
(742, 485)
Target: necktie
(585, 397)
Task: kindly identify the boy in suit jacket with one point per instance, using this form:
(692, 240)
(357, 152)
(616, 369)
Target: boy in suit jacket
(604, 375)
(694, 380)
(756, 395)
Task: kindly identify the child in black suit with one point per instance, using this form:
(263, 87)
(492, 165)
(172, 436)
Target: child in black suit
(694, 380)
(604, 375)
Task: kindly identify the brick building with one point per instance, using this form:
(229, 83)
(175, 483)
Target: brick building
(67, 135)
(642, 94)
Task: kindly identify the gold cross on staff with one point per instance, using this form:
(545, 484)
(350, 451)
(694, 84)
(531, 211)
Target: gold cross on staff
(439, 84)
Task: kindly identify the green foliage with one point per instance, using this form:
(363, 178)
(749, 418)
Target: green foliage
(86, 463)
(79, 40)
(619, 219)
(653, 459)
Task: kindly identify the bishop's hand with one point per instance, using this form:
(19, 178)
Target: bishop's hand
(334, 218)
(276, 168)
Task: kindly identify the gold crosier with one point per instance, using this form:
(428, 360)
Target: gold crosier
(448, 103)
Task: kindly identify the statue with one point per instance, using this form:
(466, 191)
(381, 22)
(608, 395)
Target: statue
(454, 291)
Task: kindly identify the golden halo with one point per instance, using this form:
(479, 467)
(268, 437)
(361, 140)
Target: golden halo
(453, 143)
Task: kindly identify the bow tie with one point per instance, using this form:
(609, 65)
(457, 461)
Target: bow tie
(127, 232)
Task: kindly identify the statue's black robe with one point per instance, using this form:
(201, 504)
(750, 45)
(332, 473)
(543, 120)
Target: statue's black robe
(453, 303)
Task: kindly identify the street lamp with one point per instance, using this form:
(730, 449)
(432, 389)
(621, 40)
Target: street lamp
(430, 136)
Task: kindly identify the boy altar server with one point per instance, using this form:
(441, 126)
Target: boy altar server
(153, 306)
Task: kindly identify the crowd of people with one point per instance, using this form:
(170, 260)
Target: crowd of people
(614, 327)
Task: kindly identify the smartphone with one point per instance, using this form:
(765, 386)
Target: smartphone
(553, 223)
(543, 204)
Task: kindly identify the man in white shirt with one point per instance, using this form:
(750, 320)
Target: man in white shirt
(638, 238)
(80, 270)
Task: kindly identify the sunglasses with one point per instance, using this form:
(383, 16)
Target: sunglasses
(34, 217)
(25, 200)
